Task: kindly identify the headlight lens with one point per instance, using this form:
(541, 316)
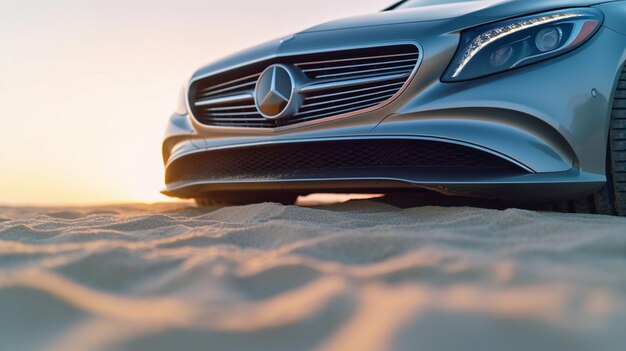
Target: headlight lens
(548, 39)
(519, 42)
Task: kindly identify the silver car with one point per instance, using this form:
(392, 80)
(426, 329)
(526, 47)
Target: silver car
(514, 100)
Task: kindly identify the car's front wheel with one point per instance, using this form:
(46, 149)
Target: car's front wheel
(611, 199)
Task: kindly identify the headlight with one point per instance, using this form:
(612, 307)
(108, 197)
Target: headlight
(181, 106)
(519, 42)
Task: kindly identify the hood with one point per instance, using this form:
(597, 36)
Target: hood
(466, 13)
(404, 24)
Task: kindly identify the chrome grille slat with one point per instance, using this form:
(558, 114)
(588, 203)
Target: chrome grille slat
(387, 92)
(332, 84)
(225, 99)
(322, 109)
(402, 69)
(304, 119)
(226, 119)
(354, 59)
(231, 108)
(249, 123)
(396, 85)
(224, 90)
(411, 60)
(220, 114)
(252, 77)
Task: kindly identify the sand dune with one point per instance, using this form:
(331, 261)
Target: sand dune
(361, 275)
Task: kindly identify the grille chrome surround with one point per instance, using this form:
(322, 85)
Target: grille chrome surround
(336, 84)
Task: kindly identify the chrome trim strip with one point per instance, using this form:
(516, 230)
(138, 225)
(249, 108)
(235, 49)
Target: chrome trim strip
(357, 137)
(225, 99)
(311, 88)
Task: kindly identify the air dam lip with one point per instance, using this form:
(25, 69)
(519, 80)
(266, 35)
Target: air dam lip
(370, 164)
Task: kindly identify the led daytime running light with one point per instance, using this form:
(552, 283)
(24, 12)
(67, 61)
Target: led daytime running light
(495, 34)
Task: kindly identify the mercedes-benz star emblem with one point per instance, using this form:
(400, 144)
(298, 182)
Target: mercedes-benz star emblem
(275, 94)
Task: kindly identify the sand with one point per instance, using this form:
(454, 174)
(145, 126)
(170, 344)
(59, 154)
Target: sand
(362, 275)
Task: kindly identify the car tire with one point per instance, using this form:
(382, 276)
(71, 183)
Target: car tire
(611, 199)
(245, 198)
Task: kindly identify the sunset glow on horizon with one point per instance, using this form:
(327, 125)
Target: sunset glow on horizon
(86, 88)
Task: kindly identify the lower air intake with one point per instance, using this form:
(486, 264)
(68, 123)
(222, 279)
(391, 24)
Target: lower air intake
(272, 160)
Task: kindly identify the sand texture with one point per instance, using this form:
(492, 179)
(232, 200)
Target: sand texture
(361, 276)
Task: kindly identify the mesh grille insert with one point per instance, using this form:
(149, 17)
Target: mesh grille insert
(284, 159)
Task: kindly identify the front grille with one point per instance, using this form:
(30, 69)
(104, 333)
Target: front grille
(305, 158)
(337, 83)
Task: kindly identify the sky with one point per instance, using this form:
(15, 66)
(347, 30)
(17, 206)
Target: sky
(86, 87)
